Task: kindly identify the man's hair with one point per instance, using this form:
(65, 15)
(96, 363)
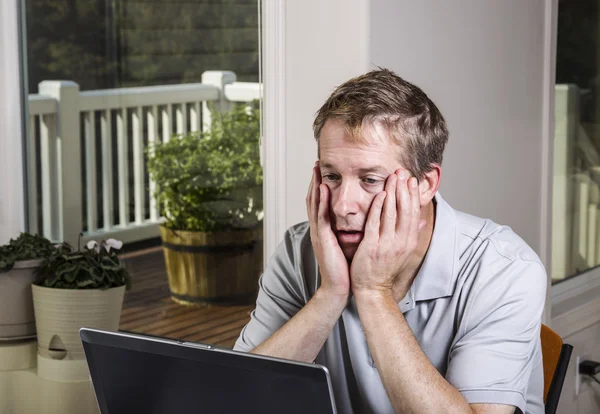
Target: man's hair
(410, 117)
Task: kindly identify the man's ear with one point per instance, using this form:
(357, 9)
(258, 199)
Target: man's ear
(429, 184)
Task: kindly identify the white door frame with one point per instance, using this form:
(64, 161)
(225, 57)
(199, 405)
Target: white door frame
(273, 122)
(549, 76)
(12, 184)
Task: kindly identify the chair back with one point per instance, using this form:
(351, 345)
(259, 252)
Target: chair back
(555, 357)
(551, 347)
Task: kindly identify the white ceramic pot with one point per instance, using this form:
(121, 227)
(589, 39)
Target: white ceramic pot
(17, 319)
(60, 313)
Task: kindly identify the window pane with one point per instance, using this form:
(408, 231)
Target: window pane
(576, 200)
(144, 121)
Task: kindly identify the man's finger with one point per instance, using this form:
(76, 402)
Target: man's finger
(415, 207)
(403, 205)
(388, 224)
(374, 219)
(318, 173)
(323, 222)
(311, 198)
(316, 190)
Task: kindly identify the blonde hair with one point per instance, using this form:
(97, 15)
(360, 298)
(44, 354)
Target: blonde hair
(410, 117)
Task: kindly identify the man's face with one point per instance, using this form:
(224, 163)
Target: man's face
(355, 173)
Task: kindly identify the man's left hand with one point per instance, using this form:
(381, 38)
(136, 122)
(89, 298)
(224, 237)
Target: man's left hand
(382, 261)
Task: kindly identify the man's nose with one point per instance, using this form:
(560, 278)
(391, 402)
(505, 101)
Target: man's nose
(345, 199)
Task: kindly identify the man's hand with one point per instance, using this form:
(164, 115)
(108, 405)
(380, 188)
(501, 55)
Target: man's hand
(333, 266)
(382, 261)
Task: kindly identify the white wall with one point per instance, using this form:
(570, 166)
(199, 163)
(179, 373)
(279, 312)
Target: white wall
(481, 62)
(11, 168)
(326, 44)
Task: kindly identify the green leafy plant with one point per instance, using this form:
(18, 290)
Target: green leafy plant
(25, 247)
(211, 181)
(96, 266)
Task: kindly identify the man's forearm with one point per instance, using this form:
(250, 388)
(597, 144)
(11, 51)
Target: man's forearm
(411, 382)
(303, 336)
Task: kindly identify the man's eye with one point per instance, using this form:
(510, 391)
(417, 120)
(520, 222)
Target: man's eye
(370, 181)
(330, 177)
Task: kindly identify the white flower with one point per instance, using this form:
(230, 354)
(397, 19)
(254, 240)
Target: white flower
(92, 245)
(112, 243)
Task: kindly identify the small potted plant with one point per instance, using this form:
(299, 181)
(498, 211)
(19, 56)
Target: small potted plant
(77, 288)
(18, 261)
(209, 187)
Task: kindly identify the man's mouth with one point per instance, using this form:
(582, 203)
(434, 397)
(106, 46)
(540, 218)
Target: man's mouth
(349, 236)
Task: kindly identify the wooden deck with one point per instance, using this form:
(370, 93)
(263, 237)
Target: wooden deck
(148, 308)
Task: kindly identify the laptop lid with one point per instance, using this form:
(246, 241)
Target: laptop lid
(133, 373)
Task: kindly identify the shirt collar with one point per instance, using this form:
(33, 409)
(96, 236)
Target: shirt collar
(438, 273)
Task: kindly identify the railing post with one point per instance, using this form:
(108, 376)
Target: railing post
(218, 79)
(565, 136)
(67, 158)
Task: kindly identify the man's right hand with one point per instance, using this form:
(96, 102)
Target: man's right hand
(333, 266)
(302, 337)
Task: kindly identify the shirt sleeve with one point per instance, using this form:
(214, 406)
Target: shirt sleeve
(498, 338)
(281, 295)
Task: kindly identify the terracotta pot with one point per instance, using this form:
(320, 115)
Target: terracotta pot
(60, 313)
(16, 306)
(218, 267)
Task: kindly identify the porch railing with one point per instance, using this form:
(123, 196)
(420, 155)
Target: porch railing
(86, 169)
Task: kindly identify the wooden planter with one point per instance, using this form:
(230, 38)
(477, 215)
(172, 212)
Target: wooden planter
(211, 268)
(60, 313)
(17, 319)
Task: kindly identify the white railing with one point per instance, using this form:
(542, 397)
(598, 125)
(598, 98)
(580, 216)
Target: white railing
(67, 128)
(576, 189)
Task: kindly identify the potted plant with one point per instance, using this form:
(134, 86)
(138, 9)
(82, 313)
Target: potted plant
(18, 261)
(209, 187)
(77, 288)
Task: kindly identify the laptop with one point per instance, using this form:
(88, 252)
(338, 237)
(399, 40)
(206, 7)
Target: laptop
(133, 373)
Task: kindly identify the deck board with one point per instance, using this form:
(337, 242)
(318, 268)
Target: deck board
(148, 308)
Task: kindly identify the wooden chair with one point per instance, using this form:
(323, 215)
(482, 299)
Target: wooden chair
(555, 356)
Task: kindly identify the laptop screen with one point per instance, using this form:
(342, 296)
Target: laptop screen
(134, 375)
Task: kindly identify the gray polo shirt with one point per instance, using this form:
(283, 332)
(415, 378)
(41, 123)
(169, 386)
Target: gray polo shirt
(475, 308)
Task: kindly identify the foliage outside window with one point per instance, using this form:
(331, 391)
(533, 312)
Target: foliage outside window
(211, 181)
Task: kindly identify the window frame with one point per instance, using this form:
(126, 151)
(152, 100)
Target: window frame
(13, 217)
(571, 304)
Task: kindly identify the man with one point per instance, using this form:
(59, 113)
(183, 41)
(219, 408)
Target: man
(411, 305)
